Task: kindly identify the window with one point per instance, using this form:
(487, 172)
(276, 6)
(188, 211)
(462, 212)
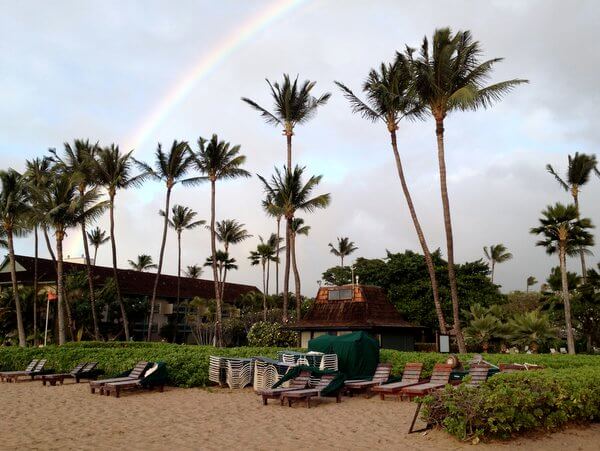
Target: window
(339, 295)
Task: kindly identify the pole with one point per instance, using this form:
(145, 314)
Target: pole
(46, 330)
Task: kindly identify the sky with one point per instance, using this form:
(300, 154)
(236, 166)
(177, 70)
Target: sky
(138, 73)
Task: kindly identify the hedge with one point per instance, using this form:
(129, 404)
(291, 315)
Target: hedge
(508, 404)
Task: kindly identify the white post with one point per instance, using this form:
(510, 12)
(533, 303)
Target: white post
(46, 331)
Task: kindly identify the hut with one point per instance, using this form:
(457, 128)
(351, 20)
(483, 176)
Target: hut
(340, 310)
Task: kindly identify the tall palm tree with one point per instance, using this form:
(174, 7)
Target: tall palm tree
(229, 231)
(14, 213)
(64, 207)
(273, 211)
(218, 160)
(169, 168)
(114, 171)
(297, 228)
(564, 233)
(531, 281)
(344, 247)
(142, 263)
(293, 105)
(79, 161)
(451, 78)
(38, 173)
(193, 271)
(389, 100)
(265, 252)
(497, 253)
(288, 191)
(97, 237)
(578, 174)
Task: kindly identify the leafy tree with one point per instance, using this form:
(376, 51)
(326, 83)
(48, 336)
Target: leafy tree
(143, 263)
(497, 253)
(344, 248)
(531, 281)
(531, 329)
(448, 78)
(482, 329)
(578, 174)
(265, 252)
(564, 234)
(338, 275)
(97, 237)
(218, 160)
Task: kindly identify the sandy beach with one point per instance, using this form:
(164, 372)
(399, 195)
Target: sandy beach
(69, 417)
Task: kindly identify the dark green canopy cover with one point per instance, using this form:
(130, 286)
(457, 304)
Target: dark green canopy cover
(334, 386)
(358, 352)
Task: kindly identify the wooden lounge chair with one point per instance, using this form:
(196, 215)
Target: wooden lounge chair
(37, 370)
(85, 370)
(298, 383)
(136, 373)
(439, 378)
(410, 376)
(4, 375)
(382, 374)
(116, 387)
(309, 393)
(478, 372)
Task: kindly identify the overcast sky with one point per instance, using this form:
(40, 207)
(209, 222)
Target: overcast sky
(99, 70)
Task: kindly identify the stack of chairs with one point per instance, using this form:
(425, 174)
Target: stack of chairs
(239, 372)
(216, 370)
(329, 362)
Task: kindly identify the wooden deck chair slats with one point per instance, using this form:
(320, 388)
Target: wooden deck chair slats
(478, 374)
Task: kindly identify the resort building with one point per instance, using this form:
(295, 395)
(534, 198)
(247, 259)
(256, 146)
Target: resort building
(339, 310)
(133, 285)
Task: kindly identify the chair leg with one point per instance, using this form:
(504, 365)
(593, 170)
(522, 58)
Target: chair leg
(416, 415)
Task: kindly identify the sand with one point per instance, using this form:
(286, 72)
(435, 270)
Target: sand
(69, 417)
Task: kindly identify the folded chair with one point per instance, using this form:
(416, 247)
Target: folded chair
(85, 370)
(136, 373)
(439, 378)
(298, 383)
(155, 376)
(382, 374)
(410, 376)
(309, 393)
(4, 375)
(37, 370)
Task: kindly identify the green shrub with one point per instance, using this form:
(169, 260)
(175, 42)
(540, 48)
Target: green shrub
(264, 333)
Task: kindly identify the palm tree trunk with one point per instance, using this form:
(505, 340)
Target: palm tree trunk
(297, 292)
(268, 271)
(277, 262)
(49, 245)
(342, 260)
(449, 237)
(493, 266)
(213, 248)
(59, 288)
(421, 236)
(90, 274)
(114, 264)
(35, 284)
(286, 271)
(160, 261)
(581, 250)
(15, 288)
(288, 137)
(566, 299)
(264, 293)
(178, 284)
(95, 255)
(223, 274)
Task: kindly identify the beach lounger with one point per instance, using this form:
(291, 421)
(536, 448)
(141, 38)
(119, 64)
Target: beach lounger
(117, 387)
(382, 374)
(309, 393)
(85, 370)
(37, 370)
(298, 383)
(5, 374)
(439, 378)
(136, 373)
(410, 376)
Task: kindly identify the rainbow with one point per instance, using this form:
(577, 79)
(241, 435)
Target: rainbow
(207, 63)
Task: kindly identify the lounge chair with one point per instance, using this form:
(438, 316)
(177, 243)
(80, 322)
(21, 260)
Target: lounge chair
(136, 373)
(439, 378)
(478, 373)
(148, 381)
(4, 375)
(382, 374)
(298, 383)
(309, 393)
(38, 369)
(85, 370)
(410, 376)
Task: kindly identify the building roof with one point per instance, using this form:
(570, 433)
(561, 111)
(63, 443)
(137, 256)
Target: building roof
(132, 283)
(359, 307)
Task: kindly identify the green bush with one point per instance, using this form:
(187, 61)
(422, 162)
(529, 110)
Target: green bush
(511, 403)
(264, 333)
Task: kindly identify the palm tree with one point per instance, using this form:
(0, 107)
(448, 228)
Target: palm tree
(452, 78)
(14, 213)
(293, 104)
(170, 168)
(3, 242)
(217, 160)
(79, 161)
(344, 247)
(531, 329)
(265, 252)
(273, 211)
(97, 237)
(482, 329)
(290, 194)
(390, 99)
(578, 174)
(143, 263)
(531, 281)
(114, 171)
(193, 271)
(297, 228)
(228, 232)
(564, 233)
(497, 253)
(223, 261)
(38, 173)
(64, 207)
